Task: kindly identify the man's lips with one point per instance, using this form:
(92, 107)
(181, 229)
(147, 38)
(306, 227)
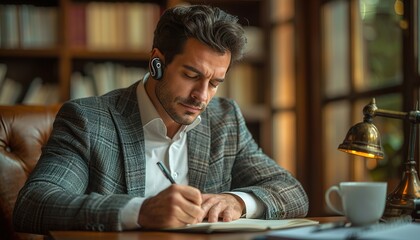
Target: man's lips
(192, 108)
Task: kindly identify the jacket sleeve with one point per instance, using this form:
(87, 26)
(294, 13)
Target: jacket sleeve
(254, 172)
(57, 193)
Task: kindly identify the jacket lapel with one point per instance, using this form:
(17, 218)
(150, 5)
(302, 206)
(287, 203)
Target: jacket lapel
(199, 153)
(126, 117)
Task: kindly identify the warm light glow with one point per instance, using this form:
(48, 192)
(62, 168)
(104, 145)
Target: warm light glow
(368, 155)
(362, 154)
(399, 7)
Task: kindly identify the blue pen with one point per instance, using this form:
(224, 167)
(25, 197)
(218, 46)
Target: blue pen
(165, 172)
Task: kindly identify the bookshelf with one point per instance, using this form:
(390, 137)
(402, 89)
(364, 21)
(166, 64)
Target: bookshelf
(68, 41)
(79, 40)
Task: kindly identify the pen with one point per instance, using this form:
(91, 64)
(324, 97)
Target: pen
(329, 226)
(165, 172)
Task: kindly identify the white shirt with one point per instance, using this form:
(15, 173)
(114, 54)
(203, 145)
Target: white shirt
(174, 154)
(159, 147)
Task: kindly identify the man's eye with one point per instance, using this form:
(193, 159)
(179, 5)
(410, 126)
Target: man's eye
(215, 83)
(191, 76)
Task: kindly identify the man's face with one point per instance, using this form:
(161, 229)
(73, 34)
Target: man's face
(190, 81)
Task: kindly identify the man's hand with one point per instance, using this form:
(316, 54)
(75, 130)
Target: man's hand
(176, 206)
(227, 207)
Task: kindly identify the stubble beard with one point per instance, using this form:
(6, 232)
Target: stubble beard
(169, 105)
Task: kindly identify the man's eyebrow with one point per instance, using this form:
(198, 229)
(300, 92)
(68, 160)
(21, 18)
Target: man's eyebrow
(193, 69)
(200, 73)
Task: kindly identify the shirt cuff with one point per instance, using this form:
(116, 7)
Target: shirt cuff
(130, 213)
(254, 207)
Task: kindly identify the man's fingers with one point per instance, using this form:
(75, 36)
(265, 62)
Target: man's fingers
(190, 193)
(189, 216)
(214, 212)
(175, 206)
(222, 206)
(186, 201)
(208, 202)
(227, 215)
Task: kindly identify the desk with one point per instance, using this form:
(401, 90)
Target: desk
(156, 235)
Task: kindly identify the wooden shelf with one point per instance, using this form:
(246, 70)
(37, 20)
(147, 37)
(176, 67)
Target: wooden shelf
(30, 53)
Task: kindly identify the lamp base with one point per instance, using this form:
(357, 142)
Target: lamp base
(398, 210)
(401, 201)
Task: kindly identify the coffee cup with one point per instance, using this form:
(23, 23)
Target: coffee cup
(363, 203)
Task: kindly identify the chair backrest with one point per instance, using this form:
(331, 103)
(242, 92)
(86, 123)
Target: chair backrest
(24, 130)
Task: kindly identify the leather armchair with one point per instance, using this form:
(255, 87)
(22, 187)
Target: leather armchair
(24, 130)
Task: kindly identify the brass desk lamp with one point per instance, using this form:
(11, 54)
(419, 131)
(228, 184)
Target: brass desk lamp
(363, 139)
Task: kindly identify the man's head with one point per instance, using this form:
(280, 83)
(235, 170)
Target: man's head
(209, 25)
(194, 47)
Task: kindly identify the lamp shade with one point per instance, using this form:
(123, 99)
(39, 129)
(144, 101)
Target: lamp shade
(363, 139)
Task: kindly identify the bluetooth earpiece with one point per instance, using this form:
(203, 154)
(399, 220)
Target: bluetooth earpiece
(156, 68)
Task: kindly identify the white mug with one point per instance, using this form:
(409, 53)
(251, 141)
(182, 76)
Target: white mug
(363, 203)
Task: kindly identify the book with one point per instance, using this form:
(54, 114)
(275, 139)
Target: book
(37, 26)
(10, 26)
(77, 25)
(3, 70)
(81, 86)
(244, 225)
(121, 21)
(33, 92)
(49, 26)
(93, 27)
(41, 93)
(136, 27)
(10, 92)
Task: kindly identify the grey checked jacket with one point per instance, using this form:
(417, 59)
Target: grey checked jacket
(94, 163)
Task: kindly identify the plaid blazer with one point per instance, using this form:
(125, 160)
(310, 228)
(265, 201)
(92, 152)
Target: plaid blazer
(94, 163)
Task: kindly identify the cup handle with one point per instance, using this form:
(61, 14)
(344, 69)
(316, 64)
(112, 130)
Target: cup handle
(327, 199)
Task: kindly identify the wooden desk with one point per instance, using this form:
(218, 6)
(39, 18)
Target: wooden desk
(155, 235)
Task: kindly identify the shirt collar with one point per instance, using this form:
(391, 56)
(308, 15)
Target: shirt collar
(148, 112)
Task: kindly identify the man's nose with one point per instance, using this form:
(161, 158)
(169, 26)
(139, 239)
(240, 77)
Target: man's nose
(200, 91)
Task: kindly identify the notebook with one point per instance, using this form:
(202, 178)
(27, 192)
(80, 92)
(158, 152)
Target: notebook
(243, 224)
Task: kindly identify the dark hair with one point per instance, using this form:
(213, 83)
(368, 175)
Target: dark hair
(210, 25)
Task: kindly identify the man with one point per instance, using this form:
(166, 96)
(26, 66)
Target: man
(98, 170)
